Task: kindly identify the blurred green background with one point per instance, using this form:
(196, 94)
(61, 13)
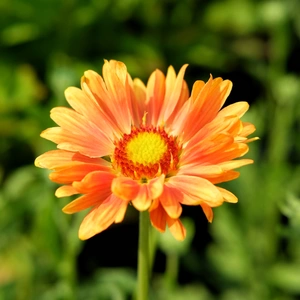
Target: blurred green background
(251, 251)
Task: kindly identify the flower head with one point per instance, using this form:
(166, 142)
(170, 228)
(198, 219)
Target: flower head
(155, 146)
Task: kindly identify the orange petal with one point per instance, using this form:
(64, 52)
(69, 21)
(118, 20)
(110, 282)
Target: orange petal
(180, 118)
(101, 217)
(156, 186)
(116, 81)
(74, 172)
(176, 228)
(219, 128)
(248, 128)
(85, 104)
(225, 153)
(234, 164)
(77, 131)
(196, 90)
(230, 125)
(184, 96)
(228, 196)
(119, 217)
(226, 176)
(235, 109)
(195, 169)
(86, 201)
(155, 96)
(174, 87)
(143, 200)
(125, 188)
(207, 150)
(155, 203)
(170, 80)
(207, 211)
(207, 103)
(158, 218)
(95, 181)
(251, 140)
(93, 83)
(148, 192)
(196, 189)
(170, 200)
(69, 141)
(65, 191)
(214, 173)
(55, 158)
(138, 105)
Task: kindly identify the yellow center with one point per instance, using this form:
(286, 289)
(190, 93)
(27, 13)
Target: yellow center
(146, 148)
(145, 153)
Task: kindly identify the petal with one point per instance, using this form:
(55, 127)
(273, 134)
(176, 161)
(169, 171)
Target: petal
(234, 151)
(101, 217)
(148, 192)
(69, 141)
(155, 96)
(95, 181)
(207, 150)
(235, 109)
(196, 189)
(197, 88)
(230, 125)
(55, 158)
(85, 103)
(119, 217)
(170, 200)
(156, 186)
(234, 164)
(74, 172)
(116, 80)
(158, 218)
(195, 169)
(226, 176)
(184, 96)
(177, 127)
(77, 131)
(226, 150)
(176, 228)
(86, 201)
(138, 105)
(251, 140)
(214, 173)
(206, 103)
(174, 86)
(155, 203)
(248, 128)
(143, 199)
(65, 191)
(93, 83)
(125, 188)
(228, 196)
(207, 211)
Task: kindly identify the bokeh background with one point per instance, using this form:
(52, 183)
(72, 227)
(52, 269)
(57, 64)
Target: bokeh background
(251, 251)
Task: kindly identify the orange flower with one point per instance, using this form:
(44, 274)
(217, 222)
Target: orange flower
(154, 146)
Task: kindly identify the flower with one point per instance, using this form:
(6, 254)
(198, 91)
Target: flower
(155, 146)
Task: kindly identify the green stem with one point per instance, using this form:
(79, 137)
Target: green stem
(171, 273)
(143, 257)
(152, 247)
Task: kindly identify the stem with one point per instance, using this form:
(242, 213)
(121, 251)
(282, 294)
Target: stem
(152, 247)
(171, 273)
(143, 257)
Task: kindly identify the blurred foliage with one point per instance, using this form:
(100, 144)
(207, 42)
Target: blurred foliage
(252, 249)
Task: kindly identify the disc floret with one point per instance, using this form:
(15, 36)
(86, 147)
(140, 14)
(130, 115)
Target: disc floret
(146, 152)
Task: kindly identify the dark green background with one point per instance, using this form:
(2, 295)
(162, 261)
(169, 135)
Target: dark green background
(251, 250)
